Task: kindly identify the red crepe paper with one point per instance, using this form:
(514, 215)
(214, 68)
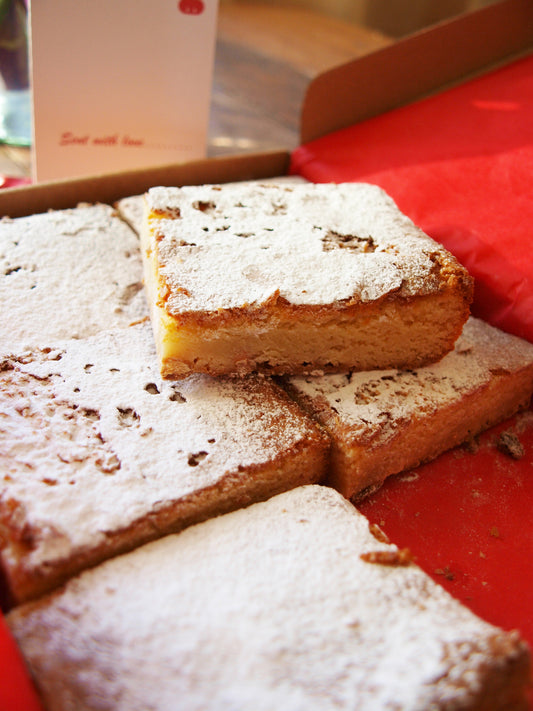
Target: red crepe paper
(466, 517)
(460, 164)
(16, 690)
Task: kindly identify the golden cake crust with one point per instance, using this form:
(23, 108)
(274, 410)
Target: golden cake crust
(383, 422)
(296, 278)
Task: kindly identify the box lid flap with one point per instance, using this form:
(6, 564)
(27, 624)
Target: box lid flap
(416, 66)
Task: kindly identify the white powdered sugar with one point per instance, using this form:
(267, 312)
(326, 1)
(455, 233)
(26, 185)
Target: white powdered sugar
(233, 246)
(378, 402)
(68, 274)
(91, 438)
(271, 607)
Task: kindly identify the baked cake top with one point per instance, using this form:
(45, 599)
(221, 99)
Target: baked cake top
(374, 404)
(68, 274)
(268, 607)
(307, 244)
(92, 439)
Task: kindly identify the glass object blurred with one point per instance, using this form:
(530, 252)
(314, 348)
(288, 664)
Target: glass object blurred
(15, 95)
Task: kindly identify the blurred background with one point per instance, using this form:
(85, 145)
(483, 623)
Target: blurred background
(266, 55)
(395, 18)
(269, 51)
(15, 125)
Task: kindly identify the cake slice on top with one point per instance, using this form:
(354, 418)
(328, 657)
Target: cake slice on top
(291, 279)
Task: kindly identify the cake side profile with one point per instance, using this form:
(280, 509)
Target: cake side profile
(384, 422)
(68, 274)
(99, 454)
(291, 279)
(291, 603)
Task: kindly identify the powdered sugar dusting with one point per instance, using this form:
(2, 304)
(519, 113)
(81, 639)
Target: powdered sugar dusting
(68, 274)
(308, 244)
(376, 403)
(268, 607)
(92, 439)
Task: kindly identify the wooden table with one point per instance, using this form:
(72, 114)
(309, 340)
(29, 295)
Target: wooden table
(266, 56)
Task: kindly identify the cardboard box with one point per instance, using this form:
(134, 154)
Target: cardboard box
(343, 96)
(452, 52)
(424, 63)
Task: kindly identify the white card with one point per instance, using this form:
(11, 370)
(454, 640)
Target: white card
(119, 84)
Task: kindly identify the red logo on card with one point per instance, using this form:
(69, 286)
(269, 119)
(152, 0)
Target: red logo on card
(191, 7)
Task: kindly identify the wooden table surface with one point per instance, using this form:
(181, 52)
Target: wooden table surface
(266, 56)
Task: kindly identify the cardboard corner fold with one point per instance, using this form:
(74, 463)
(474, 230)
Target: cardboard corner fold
(416, 66)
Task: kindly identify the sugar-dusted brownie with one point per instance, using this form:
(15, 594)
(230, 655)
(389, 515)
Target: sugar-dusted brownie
(289, 604)
(68, 274)
(291, 279)
(99, 454)
(386, 421)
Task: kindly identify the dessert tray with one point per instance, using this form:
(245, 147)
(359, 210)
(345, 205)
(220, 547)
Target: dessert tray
(460, 164)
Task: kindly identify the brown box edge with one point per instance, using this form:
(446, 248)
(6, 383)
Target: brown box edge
(391, 77)
(108, 188)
